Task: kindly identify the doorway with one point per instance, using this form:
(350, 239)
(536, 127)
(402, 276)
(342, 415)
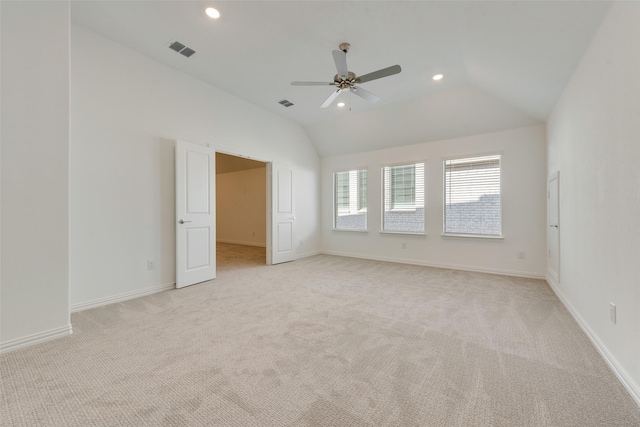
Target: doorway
(241, 210)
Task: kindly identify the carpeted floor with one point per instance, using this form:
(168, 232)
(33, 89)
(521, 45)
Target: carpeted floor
(322, 341)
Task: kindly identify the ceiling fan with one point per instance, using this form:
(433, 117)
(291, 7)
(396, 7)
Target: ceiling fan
(346, 80)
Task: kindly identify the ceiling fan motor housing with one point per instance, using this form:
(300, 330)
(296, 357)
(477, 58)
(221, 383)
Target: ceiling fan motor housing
(343, 83)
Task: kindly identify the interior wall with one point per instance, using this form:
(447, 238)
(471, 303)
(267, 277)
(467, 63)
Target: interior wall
(241, 205)
(126, 113)
(34, 296)
(523, 206)
(593, 140)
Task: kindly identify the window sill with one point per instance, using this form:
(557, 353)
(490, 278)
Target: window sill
(402, 232)
(473, 236)
(353, 230)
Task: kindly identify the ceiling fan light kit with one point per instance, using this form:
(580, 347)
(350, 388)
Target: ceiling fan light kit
(212, 12)
(346, 80)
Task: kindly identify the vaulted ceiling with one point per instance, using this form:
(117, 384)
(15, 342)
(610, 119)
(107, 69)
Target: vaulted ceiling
(505, 63)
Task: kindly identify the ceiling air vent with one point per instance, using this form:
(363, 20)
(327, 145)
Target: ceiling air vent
(181, 49)
(285, 103)
(187, 51)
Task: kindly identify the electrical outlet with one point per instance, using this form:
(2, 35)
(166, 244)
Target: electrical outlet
(253, 234)
(151, 265)
(612, 312)
(404, 245)
(522, 254)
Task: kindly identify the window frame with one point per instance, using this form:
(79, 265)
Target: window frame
(500, 236)
(408, 208)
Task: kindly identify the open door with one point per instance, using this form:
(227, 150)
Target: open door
(282, 227)
(553, 205)
(195, 214)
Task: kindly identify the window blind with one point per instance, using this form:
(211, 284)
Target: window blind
(472, 196)
(403, 198)
(342, 191)
(350, 200)
(362, 189)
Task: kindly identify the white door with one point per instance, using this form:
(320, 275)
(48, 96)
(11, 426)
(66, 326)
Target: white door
(553, 204)
(195, 214)
(282, 228)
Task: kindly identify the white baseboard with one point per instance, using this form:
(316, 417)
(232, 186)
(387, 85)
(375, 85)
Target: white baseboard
(38, 338)
(121, 297)
(240, 242)
(624, 377)
(307, 254)
(442, 265)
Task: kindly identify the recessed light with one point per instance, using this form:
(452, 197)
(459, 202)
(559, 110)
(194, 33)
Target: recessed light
(212, 12)
(340, 104)
(437, 77)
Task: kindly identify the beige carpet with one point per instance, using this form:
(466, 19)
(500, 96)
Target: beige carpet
(323, 341)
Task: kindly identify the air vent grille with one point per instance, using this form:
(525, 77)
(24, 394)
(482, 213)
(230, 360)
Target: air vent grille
(181, 49)
(187, 51)
(177, 46)
(285, 103)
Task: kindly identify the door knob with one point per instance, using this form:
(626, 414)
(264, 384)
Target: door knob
(553, 225)
(182, 221)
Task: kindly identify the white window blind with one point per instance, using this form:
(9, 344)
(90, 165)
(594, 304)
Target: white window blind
(342, 191)
(472, 196)
(362, 189)
(350, 200)
(403, 198)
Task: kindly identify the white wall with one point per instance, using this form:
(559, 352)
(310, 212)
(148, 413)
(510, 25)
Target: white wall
(35, 133)
(594, 141)
(126, 112)
(241, 206)
(523, 210)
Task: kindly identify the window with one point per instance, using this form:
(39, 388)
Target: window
(350, 200)
(472, 196)
(403, 198)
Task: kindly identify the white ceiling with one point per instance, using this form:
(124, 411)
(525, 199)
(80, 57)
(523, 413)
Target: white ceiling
(505, 62)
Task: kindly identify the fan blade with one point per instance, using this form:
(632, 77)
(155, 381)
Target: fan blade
(389, 71)
(365, 94)
(340, 58)
(331, 98)
(311, 84)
